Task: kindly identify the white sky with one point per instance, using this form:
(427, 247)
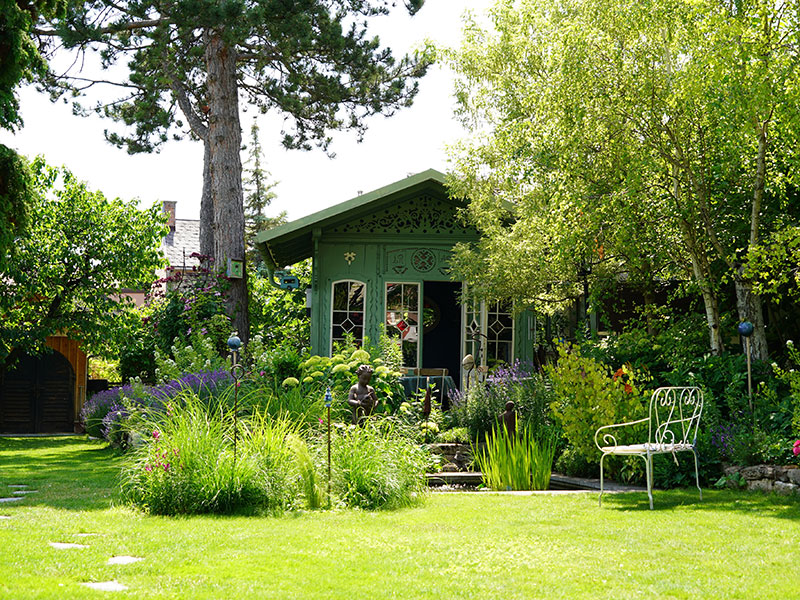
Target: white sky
(409, 142)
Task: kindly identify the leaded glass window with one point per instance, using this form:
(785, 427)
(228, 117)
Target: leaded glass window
(348, 311)
(402, 319)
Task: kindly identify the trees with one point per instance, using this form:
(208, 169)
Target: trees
(633, 136)
(79, 252)
(258, 195)
(311, 60)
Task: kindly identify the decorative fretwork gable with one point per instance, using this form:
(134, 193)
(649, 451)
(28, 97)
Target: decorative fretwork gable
(424, 215)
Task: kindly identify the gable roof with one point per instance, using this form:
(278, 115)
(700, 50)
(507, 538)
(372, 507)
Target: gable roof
(181, 242)
(292, 242)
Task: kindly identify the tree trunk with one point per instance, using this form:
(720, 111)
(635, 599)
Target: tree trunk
(206, 206)
(225, 165)
(748, 305)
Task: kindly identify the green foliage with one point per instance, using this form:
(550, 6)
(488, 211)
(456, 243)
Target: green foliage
(521, 462)
(16, 194)
(339, 371)
(478, 407)
(258, 194)
(186, 464)
(21, 60)
(372, 468)
(588, 397)
(279, 316)
(77, 255)
(454, 435)
(792, 378)
(200, 354)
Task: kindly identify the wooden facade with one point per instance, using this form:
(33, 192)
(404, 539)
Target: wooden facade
(381, 263)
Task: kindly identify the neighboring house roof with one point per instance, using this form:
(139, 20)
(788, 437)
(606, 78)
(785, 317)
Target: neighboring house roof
(179, 244)
(292, 242)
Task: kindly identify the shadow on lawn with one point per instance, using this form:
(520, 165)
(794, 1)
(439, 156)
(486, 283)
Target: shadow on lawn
(750, 503)
(70, 473)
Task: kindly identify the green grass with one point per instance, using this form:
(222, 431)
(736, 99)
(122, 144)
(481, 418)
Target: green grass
(731, 545)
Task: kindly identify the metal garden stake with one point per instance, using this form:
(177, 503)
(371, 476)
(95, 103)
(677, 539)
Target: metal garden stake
(328, 401)
(746, 330)
(237, 371)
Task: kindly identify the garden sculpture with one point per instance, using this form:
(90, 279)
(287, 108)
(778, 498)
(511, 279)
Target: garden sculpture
(510, 419)
(362, 398)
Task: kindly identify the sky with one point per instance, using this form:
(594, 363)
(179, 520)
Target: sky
(412, 140)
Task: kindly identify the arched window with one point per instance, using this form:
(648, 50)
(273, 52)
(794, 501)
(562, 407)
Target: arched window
(348, 311)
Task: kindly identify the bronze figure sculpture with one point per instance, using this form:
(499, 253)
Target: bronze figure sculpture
(362, 398)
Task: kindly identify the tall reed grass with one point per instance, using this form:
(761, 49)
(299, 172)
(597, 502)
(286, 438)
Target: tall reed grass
(375, 468)
(186, 463)
(520, 462)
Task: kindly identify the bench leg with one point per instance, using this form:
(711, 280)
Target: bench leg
(648, 467)
(697, 474)
(600, 499)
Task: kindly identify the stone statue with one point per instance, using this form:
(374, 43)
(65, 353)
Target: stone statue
(510, 419)
(362, 398)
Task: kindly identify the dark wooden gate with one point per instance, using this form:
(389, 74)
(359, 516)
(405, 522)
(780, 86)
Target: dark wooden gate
(36, 395)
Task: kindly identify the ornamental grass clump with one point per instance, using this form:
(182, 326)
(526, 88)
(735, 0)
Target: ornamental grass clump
(375, 468)
(186, 463)
(516, 462)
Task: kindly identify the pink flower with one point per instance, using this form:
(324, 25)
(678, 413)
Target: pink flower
(796, 448)
(262, 373)
(148, 468)
(166, 467)
(156, 435)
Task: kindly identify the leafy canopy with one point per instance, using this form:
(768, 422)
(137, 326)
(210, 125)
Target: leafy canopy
(79, 254)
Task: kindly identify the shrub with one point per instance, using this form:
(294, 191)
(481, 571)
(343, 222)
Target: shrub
(374, 468)
(95, 410)
(188, 462)
(520, 462)
(588, 396)
(478, 408)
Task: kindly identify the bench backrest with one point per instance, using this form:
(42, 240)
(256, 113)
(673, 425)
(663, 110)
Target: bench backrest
(675, 415)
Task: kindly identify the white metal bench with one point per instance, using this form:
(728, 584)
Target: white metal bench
(673, 422)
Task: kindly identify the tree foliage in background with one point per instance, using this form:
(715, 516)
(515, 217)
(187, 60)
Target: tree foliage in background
(77, 255)
(650, 139)
(279, 316)
(258, 195)
(311, 61)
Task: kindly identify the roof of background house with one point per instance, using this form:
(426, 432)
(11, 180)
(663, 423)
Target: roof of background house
(179, 244)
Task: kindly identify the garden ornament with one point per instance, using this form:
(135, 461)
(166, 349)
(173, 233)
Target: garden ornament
(362, 398)
(745, 329)
(510, 419)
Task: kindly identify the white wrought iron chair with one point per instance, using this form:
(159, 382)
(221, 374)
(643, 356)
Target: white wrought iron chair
(673, 421)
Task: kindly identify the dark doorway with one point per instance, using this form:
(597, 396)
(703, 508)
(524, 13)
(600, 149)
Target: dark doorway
(36, 395)
(441, 341)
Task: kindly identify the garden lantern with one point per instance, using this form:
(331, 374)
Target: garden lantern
(745, 329)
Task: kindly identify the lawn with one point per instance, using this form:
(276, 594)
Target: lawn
(730, 545)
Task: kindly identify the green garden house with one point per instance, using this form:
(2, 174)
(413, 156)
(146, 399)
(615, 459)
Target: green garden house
(381, 260)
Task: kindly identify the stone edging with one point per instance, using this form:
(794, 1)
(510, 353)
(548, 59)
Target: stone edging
(769, 478)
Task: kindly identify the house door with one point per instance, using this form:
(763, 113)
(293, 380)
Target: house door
(441, 330)
(36, 396)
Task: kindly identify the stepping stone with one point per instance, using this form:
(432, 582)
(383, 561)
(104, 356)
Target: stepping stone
(123, 560)
(106, 586)
(85, 534)
(3, 517)
(14, 499)
(66, 545)
(17, 485)
(23, 492)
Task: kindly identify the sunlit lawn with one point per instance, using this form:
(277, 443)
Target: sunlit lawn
(732, 545)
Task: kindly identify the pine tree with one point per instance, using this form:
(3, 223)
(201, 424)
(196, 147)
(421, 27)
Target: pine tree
(311, 60)
(259, 193)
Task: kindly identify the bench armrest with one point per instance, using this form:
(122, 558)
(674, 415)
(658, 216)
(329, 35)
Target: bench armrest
(608, 438)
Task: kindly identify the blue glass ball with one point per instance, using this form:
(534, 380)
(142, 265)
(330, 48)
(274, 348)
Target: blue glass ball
(745, 329)
(234, 343)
